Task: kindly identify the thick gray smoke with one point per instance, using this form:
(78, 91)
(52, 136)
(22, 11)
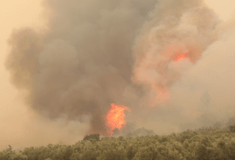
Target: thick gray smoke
(82, 62)
(94, 53)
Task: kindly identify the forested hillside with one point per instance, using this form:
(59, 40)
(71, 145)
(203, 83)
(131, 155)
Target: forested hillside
(203, 144)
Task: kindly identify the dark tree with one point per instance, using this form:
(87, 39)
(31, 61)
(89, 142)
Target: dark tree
(92, 136)
(232, 128)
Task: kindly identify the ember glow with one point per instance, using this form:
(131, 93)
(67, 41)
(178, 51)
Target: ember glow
(115, 117)
(162, 95)
(181, 56)
(161, 71)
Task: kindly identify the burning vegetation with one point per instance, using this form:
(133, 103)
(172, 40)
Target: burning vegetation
(115, 117)
(94, 56)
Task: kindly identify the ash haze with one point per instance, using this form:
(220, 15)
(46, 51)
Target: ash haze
(89, 54)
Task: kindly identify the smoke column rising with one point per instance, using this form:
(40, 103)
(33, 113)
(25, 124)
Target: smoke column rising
(95, 53)
(81, 63)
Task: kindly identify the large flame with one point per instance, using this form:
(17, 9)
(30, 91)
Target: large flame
(115, 117)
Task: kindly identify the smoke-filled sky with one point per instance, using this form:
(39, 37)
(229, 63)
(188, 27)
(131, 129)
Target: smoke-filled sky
(64, 62)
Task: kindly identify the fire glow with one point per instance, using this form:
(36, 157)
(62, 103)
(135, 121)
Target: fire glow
(161, 90)
(115, 117)
(182, 56)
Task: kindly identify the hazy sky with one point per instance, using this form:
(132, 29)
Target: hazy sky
(21, 128)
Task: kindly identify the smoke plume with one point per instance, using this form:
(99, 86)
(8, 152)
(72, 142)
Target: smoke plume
(94, 53)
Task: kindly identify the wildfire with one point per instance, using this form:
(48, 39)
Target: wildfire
(115, 117)
(181, 56)
(162, 93)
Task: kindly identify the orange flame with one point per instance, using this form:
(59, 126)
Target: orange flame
(181, 56)
(115, 117)
(162, 90)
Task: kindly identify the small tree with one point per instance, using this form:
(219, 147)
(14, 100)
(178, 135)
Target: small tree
(92, 136)
(232, 128)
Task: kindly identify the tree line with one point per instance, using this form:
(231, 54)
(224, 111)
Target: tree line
(203, 144)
